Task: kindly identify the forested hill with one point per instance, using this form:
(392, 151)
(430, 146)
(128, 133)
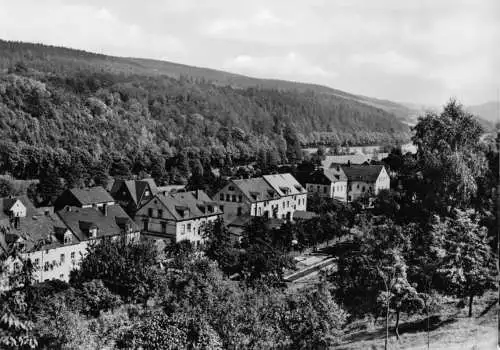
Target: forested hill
(62, 98)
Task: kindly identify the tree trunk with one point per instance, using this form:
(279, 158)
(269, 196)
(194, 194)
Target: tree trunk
(386, 326)
(471, 297)
(397, 324)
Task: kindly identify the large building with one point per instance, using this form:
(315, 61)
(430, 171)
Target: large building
(41, 237)
(272, 196)
(55, 243)
(329, 183)
(175, 217)
(365, 180)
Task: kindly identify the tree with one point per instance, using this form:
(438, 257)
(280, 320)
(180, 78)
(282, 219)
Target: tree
(449, 158)
(219, 247)
(466, 261)
(128, 270)
(6, 188)
(372, 271)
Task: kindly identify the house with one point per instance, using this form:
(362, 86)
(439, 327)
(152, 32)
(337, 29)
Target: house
(365, 180)
(84, 198)
(40, 237)
(237, 226)
(273, 196)
(175, 217)
(91, 224)
(131, 194)
(329, 183)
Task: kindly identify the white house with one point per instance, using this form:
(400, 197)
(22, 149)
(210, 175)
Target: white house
(365, 180)
(177, 216)
(272, 196)
(329, 183)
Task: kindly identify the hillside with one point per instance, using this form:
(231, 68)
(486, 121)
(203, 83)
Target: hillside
(63, 100)
(488, 111)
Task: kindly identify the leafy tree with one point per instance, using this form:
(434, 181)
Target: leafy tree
(6, 188)
(126, 269)
(219, 247)
(466, 261)
(449, 158)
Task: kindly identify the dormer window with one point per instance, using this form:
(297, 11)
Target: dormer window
(147, 193)
(93, 232)
(67, 238)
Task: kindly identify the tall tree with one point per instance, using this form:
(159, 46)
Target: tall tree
(466, 260)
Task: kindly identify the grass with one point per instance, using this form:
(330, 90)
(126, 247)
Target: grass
(451, 329)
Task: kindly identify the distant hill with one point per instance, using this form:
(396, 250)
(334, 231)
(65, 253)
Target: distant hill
(487, 111)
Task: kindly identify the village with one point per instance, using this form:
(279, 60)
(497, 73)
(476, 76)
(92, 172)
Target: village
(55, 239)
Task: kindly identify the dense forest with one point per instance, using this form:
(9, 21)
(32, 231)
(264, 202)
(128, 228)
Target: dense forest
(60, 106)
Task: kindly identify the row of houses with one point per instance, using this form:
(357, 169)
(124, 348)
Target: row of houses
(55, 239)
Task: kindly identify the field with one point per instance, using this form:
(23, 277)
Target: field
(451, 330)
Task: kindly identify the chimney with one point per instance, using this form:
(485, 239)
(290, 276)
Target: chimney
(197, 194)
(349, 162)
(105, 209)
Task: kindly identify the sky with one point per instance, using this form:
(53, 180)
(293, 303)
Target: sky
(416, 51)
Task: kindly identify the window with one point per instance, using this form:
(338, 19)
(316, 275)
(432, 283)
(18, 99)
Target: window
(37, 261)
(234, 198)
(163, 227)
(72, 255)
(288, 204)
(260, 211)
(188, 227)
(16, 266)
(62, 258)
(324, 189)
(67, 239)
(231, 188)
(221, 196)
(283, 205)
(221, 207)
(239, 211)
(228, 198)
(150, 212)
(146, 194)
(145, 225)
(240, 198)
(160, 213)
(61, 276)
(317, 188)
(46, 266)
(363, 189)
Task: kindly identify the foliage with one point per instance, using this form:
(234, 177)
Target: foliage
(466, 261)
(128, 270)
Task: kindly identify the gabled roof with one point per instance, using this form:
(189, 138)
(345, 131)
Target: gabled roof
(79, 220)
(367, 173)
(136, 188)
(256, 189)
(284, 184)
(344, 159)
(188, 205)
(326, 176)
(93, 195)
(6, 204)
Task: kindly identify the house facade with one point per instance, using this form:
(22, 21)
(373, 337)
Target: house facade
(40, 237)
(272, 196)
(177, 216)
(328, 183)
(365, 180)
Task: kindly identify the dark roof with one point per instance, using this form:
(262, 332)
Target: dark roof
(79, 220)
(244, 220)
(326, 176)
(368, 173)
(188, 205)
(136, 188)
(93, 195)
(256, 189)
